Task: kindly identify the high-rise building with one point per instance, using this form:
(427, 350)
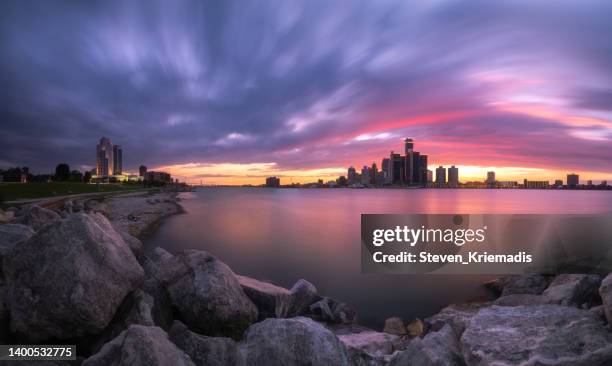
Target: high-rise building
(104, 158)
(142, 170)
(352, 176)
(490, 178)
(441, 176)
(365, 175)
(423, 170)
(453, 177)
(373, 173)
(397, 166)
(109, 158)
(117, 160)
(429, 176)
(408, 146)
(573, 180)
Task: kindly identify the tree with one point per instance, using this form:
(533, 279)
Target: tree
(76, 176)
(87, 177)
(62, 172)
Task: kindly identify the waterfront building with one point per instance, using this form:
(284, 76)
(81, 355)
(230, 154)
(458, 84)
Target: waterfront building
(536, 184)
(352, 176)
(453, 177)
(142, 170)
(559, 183)
(573, 180)
(158, 177)
(274, 182)
(365, 175)
(117, 160)
(429, 176)
(373, 173)
(441, 176)
(386, 171)
(506, 184)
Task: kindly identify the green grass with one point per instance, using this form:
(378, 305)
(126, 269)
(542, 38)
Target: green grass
(17, 191)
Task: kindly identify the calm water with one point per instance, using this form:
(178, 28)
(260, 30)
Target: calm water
(282, 235)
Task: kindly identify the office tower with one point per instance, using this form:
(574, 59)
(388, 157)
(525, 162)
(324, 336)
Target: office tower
(441, 176)
(558, 183)
(352, 176)
(453, 177)
(386, 170)
(423, 170)
(373, 173)
(411, 168)
(397, 167)
(490, 178)
(142, 170)
(408, 146)
(104, 158)
(572, 180)
(429, 176)
(365, 175)
(117, 160)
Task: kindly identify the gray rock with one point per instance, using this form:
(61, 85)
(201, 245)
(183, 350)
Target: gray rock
(395, 326)
(206, 294)
(521, 299)
(140, 345)
(331, 311)
(439, 348)
(457, 316)
(162, 308)
(606, 296)
(37, 217)
(4, 316)
(137, 308)
(534, 335)
(97, 206)
(69, 278)
(294, 341)
(574, 289)
(203, 350)
(134, 243)
(377, 344)
(271, 300)
(303, 294)
(6, 217)
(11, 234)
(532, 284)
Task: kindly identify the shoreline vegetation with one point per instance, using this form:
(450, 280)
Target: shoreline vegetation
(79, 274)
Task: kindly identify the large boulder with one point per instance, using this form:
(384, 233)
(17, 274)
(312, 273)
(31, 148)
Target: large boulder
(376, 344)
(530, 335)
(203, 350)
(206, 294)
(69, 278)
(152, 262)
(533, 284)
(303, 294)
(439, 348)
(10, 235)
(332, 311)
(38, 217)
(395, 325)
(574, 289)
(271, 300)
(294, 341)
(456, 315)
(140, 345)
(606, 296)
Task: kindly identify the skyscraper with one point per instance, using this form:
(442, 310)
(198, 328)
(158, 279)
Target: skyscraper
(104, 157)
(109, 158)
(453, 177)
(142, 170)
(423, 170)
(117, 160)
(441, 176)
(408, 146)
(352, 176)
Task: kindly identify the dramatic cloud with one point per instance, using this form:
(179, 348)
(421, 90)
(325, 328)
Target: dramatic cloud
(304, 89)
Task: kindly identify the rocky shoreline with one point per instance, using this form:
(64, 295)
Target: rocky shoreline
(81, 276)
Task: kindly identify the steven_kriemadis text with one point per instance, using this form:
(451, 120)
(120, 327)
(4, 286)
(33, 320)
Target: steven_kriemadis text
(471, 257)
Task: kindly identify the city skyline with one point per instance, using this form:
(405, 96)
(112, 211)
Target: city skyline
(204, 92)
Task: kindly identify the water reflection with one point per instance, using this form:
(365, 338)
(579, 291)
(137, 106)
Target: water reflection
(285, 234)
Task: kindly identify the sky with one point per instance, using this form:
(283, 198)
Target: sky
(229, 92)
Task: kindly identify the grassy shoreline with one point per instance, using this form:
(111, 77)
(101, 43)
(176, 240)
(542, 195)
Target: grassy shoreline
(19, 191)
